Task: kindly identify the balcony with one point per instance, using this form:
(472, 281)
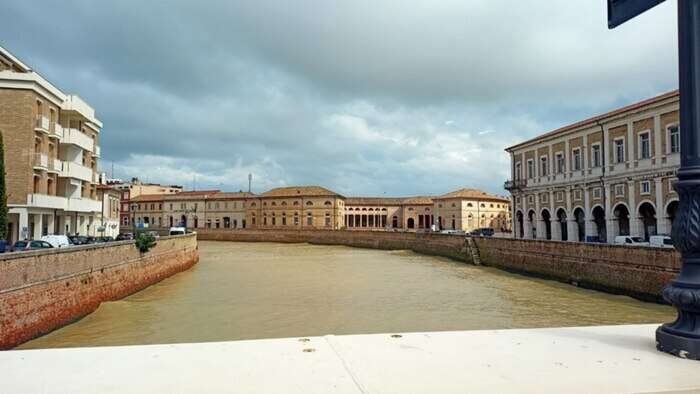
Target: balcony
(42, 124)
(77, 171)
(96, 153)
(516, 184)
(57, 131)
(77, 138)
(41, 161)
(83, 205)
(46, 201)
(55, 166)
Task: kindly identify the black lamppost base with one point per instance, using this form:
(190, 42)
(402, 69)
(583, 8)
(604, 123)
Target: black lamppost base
(683, 347)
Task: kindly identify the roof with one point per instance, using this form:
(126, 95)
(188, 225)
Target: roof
(596, 119)
(300, 191)
(471, 194)
(231, 195)
(419, 200)
(148, 198)
(195, 194)
(373, 201)
(12, 59)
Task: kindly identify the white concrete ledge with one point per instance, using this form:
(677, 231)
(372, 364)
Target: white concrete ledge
(611, 359)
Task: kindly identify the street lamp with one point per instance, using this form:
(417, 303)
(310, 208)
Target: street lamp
(682, 337)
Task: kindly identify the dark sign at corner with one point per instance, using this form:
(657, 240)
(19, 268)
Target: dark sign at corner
(620, 11)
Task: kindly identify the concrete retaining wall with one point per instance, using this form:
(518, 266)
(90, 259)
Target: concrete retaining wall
(636, 271)
(44, 290)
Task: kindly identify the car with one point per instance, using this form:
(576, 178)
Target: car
(661, 241)
(78, 239)
(153, 234)
(36, 244)
(107, 239)
(482, 232)
(177, 231)
(57, 241)
(125, 237)
(630, 241)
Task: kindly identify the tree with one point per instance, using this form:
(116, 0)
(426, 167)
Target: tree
(3, 192)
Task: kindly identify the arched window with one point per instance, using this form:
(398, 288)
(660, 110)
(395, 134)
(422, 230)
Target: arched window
(274, 204)
(296, 203)
(284, 219)
(309, 219)
(453, 205)
(491, 205)
(328, 220)
(264, 204)
(483, 205)
(252, 204)
(327, 203)
(284, 203)
(469, 204)
(309, 203)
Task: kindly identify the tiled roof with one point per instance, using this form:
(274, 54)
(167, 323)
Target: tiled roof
(299, 191)
(373, 201)
(471, 194)
(593, 120)
(148, 198)
(419, 200)
(227, 195)
(198, 194)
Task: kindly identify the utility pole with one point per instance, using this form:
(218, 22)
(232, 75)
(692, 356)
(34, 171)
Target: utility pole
(250, 181)
(682, 337)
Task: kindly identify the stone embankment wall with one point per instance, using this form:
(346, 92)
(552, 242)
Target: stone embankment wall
(44, 290)
(636, 271)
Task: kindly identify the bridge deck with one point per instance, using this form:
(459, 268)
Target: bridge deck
(620, 359)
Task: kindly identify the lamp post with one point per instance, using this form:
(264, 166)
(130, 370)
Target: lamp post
(682, 337)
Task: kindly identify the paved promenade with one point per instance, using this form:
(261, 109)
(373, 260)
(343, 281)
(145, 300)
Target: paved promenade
(619, 359)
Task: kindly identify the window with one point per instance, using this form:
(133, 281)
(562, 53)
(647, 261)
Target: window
(577, 159)
(644, 146)
(309, 219)
(596, 155)
(619, 151)
(560, 196)
(577, 194)
(674, 139)
(530, 169)
(296, 219)
(619, 190)
(284, 219)
(543, 166)
(645, 187)
(328, 220)
(518, 170)
(544, 197)
(596, 192)
(327, 203)
(309, 203)
(560, 163)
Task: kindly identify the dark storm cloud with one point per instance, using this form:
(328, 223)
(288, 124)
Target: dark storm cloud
(366, 97)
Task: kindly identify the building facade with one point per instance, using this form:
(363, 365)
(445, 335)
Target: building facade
(599, 178)
(297, 207)
(109, 218)
(51, 155)
(135, 188)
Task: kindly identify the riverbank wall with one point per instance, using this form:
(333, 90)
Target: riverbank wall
(640, 272)
(41, 291)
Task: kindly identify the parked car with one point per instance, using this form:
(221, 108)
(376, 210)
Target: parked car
(482, 232)
(57, 241)
(78, 239)
(125, 237)
(178, 231)
(107, 238)
(25, 245)
(153, 234)
(630, 241)
(661, 241)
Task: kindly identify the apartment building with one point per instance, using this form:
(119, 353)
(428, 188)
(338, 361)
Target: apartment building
(135, 188)
(51, 155)
(109, 213)
(602, 177)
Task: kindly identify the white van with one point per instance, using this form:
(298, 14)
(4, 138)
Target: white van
(57, 241)
(630, 241)
(177, 231)
(661, 241)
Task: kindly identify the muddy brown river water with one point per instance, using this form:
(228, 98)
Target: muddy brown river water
(267, 290)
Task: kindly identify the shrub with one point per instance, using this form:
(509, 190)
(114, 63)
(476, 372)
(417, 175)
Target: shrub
(144, 242)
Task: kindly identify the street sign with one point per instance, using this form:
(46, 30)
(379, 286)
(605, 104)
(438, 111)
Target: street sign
(620, 11)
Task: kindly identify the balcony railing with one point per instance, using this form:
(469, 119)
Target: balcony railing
(57, 131)
(515, 184)
(77, 171)
(84, 205)
(55, 165)
(47, 201)
(41, 160)
(77, 137)
(42, 124)
(97, 151)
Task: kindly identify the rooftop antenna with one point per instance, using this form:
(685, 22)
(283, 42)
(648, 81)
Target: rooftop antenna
(250, 181)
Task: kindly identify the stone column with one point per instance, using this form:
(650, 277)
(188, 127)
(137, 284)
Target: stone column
(584, 156)
(567, 158)
(554, 220)
(631, 144)
(572, 229)
(23, 229)
(658, 134)
(610, 221)
(636, 229)
(591, 228)
(38, 225)
(661, 221)
(50, 223)
(527, 227)
(606, 147)
(539, 224)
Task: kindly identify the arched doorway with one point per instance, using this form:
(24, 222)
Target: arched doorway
(622, 214)
(647, 213)
(561, 218)
(580, 218)
(547, 219)
(410, 223)
(599, 220)
(521, 225)
(183, 221)
(671, 210)
(533, 223)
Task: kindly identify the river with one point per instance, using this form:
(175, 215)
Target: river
(267, 290)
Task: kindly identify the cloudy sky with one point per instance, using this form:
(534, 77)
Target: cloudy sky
(366, 97)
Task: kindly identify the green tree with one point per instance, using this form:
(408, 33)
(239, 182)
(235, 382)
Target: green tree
(3, 192)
